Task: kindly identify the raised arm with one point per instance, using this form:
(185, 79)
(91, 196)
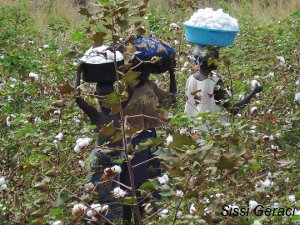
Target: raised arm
(222, 96)
(89, 110)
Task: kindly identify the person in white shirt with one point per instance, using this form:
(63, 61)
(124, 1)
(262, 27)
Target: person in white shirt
(205, 91)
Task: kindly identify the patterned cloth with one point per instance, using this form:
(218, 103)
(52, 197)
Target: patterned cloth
(104, 188)
(145, 171)
(149, 47)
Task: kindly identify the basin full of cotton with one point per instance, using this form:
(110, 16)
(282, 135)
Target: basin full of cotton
(213, 19)
(100, 55)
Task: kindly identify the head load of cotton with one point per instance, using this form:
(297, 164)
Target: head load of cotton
(100, 55)
(212, 19)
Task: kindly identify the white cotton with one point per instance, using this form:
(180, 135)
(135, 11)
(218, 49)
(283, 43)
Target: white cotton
(37, 120)
(297, 83)
(254, 83)
(2, 181)
(83, 142)
(268, 138)
(292, 198)
(56, 112)
(169, 139)
(256, 222)
(30, 42)
(3, 187)
(163, 179)
(81, 163)
(45, 46)
(210, 18)
(35, 76)
(185, 64)
(165, 211)
(297, 96)
(271, 74)
(252, 204)
(8, 120)
(118, 192)
(116, 169)
(174, 26)
(77, 148)
(281, 60)
(100, 55)
(89, 186)
(297, 213)
(253, 109)
(39, 49)
(193, 210)
(183, 131)
(1, 56)
(13, 79)
(176, 42)
(59, 136)
(58, 222)
(148, 208)
(179, 214)
(78, 209)
(179, 193)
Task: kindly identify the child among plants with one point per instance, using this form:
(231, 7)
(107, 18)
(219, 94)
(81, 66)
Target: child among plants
(205, 91)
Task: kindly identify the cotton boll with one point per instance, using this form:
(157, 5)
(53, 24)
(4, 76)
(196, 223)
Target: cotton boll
(1, 56)
(252, 204)
(45, 46)
(81, 163)
(116, 169)
(164, 179)
(58, 222)
(253, 109)
(179, 193)
(2, 181)
(77, 149)
(37, 120)
(169, 139)
(292, 198)
(118, 192)
(89, 187)
(256, 222)
(59, 136)
(148, 208)
(193, 210)
(297, 96)
(185, 64)
(281, 60)
(78, 209)
(35, 76)
(3, 187)
(8, 120)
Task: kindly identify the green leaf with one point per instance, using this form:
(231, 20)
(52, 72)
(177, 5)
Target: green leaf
(61, 198)
(108, 129)
(77, 36)
(149, 185)
(149, 142)
(98, 38)
(103, 1)
(56, 212)
(130, 76)
(179, 140)
(129, 200)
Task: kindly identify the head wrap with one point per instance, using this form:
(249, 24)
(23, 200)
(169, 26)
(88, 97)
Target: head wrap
(204, 53)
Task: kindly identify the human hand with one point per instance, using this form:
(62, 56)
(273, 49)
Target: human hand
(258, 88)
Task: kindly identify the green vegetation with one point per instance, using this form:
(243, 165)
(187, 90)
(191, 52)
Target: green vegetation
(43, 173)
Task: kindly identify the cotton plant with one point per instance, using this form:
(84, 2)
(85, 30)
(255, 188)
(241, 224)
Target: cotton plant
(58, 222)
(33, 75)
(97, 209)
(82, 143)
(78, 210)
(163, 179)
(209, 18)
(119, 193)
(3, 185)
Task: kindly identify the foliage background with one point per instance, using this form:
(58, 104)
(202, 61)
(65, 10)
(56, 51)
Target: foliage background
(44, 176)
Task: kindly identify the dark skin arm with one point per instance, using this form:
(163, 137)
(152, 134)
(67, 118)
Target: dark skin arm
(221, 95)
